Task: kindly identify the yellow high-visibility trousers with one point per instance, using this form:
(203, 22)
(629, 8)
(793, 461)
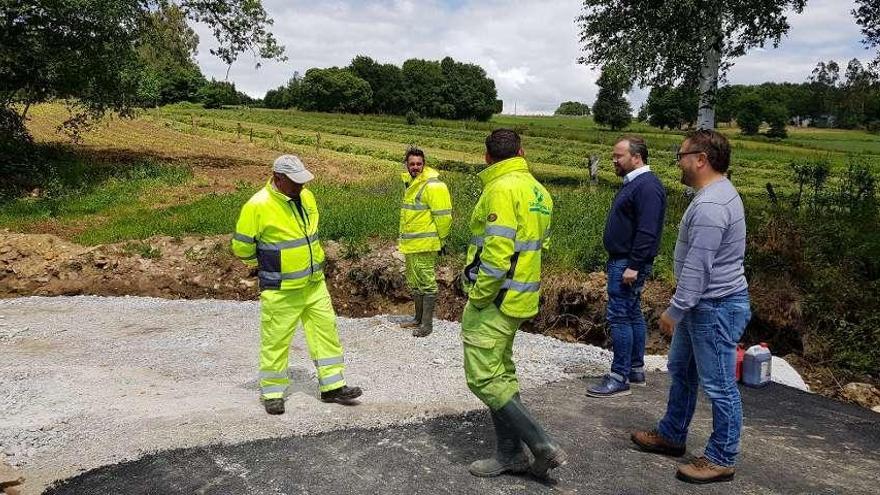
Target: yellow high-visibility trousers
(487, 335)
(420, 272)
(281, 311)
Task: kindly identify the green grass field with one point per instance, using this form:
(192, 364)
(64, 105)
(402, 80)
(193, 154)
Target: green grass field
(115, 203)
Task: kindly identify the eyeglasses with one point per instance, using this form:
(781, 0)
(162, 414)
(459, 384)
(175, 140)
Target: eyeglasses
(680, 154)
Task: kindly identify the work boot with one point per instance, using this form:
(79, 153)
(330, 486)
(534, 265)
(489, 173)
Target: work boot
(417, 317)
(342, 395)
(548, 455)
(651, 441)
(274, 406)
(509, 454)
(427, 325)
(702, 471)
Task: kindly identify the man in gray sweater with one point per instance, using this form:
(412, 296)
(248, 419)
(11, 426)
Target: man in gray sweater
(707, 314)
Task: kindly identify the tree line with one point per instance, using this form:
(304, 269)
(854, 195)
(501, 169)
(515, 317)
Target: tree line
(829, 98)
(832, 97)
(442, 89)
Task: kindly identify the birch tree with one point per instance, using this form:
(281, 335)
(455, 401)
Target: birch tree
(867, 13)
(667, 42)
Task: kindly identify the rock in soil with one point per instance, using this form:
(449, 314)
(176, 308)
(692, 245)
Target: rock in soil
(863, 394)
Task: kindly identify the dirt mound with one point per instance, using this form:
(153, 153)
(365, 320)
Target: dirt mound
(364, 281)
(187, 268)
(193, 267)
(573, 309)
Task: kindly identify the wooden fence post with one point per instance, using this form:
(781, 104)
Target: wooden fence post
(594, 169)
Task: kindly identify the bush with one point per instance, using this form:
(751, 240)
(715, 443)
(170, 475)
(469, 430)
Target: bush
(215, 94)
(16, 150)
(857, 189)
(829, 307)
(776, 116)
(829, 256)
(810, 175)
(13, 133)
(671, 107)
(334, 90)
(573, 108)
(412, 118)
(750, 115)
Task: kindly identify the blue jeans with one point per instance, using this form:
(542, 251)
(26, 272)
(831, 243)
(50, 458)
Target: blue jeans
(703, 353)
(624, 315)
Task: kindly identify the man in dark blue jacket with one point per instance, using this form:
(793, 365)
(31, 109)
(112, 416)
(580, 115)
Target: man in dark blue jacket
(632, 237)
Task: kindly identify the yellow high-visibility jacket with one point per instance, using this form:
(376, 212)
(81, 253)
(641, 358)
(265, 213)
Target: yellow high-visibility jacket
(274, 235)
(425, 214)
(510, 228)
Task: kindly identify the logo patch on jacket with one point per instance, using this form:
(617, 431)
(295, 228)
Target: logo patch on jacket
(537, 204)
(492, 217)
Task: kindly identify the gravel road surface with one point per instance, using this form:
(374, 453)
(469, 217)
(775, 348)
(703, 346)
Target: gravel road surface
(88, 381)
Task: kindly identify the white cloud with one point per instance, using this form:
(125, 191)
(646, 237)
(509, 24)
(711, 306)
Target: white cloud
(826, 30)
(529, 48)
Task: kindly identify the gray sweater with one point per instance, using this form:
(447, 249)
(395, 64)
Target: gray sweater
(710, 248)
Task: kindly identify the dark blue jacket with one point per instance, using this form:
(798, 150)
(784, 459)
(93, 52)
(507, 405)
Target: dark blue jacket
(635, 222)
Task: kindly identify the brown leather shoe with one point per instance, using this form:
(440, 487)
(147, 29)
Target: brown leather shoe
(651, 441)
(702, 471)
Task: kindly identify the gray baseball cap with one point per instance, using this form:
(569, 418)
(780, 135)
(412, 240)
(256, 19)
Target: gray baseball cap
(292, 167)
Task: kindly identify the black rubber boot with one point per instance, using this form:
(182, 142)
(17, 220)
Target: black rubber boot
(274, 406)
(342, 395)
(417, 318)
(427, 325)
(548, 455)
(509, 454)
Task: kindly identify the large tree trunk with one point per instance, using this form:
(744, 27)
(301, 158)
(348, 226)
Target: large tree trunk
(709, 82)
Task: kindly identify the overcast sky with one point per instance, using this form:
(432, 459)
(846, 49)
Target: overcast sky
(529, 48)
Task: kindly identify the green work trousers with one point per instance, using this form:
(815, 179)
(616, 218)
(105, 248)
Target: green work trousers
(487, 336)
(281, 311)
(420, 272)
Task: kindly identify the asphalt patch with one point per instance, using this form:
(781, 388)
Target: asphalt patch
(793, 443)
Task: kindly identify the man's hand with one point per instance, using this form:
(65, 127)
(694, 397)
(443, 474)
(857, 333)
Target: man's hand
(667, 325)
(629, 276)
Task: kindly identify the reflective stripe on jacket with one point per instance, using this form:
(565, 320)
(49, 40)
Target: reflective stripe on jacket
(510, 228)
(425, 214)
(274, 235)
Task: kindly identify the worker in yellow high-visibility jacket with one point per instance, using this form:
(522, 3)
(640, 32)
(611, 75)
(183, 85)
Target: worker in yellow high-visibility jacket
(277, 232)
(425, 220)
(510, 229)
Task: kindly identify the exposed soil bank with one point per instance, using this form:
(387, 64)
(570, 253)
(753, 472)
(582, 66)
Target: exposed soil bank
(367, 282)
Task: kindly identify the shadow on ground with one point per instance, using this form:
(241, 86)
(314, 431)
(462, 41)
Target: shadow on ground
(793, 443)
